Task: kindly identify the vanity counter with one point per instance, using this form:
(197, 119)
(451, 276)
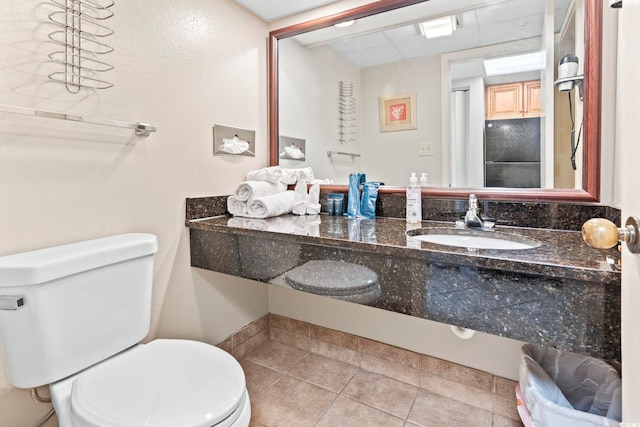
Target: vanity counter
(562, 254)
(562, 293)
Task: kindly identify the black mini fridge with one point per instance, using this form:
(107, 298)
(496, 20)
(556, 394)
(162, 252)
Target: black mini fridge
(512, 153)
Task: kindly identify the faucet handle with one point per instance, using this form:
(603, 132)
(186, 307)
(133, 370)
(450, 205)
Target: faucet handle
(473, 201)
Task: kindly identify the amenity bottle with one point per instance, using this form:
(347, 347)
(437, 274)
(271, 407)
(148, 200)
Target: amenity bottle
(414, 201)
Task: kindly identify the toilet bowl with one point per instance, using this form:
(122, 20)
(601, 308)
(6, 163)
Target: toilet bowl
(72, 316)
(160, 384)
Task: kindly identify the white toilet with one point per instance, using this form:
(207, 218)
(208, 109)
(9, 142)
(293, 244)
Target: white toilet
(72, 316)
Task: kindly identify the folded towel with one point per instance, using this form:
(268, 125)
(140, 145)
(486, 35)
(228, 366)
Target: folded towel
(235, 206)
(251, 189)
(300, 199)
(270, 174)
(313, 201)
(271, 205)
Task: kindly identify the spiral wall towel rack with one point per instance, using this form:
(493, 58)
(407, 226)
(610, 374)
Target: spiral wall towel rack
(81, 34)
(347, 111)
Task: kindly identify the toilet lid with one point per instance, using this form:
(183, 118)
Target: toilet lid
(335, 278)
(165, 383)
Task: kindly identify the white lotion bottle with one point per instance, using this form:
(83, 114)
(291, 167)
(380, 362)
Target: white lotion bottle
(414, 201)
(423, 179)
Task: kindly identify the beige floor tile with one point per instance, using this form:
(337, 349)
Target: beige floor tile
(345, 412)
(460, 392)
(458, 373)
(336, 352)
(291, 403)
(290, 325)
(324, 372)
(500, 421)
(337, 338)
(389, 369)
(276, 355)
(505, 387)
(506, 407)
(289, 338)
(386, 394)
(390, 353)
(256, 341)
(259, 378)
(432, 410)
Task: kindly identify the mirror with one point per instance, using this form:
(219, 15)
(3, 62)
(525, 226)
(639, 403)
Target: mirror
(448, 60)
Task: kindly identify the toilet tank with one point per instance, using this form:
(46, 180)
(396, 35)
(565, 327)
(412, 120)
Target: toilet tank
(81, 303)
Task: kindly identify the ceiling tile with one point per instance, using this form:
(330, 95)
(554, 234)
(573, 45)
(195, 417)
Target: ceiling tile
(273, 9)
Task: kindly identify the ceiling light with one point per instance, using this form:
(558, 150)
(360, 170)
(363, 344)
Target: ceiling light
(515, 64)
(345, 24)
(439, 27)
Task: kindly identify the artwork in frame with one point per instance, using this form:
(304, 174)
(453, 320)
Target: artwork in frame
(398, 112)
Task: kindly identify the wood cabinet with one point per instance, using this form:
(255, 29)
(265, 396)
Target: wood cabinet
(513, 100)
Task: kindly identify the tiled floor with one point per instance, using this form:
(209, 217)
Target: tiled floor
(293, 387)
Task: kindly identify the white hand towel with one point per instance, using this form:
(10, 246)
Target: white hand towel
(313, 225)
(271, 205)
(251, 189)
(270, 174)
(235, 206)
(313, 201)
(300, 199)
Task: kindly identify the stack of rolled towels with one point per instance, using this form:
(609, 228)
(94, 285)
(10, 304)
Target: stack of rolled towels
(264, 194)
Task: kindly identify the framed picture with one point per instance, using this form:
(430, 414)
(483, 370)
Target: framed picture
(398, 112)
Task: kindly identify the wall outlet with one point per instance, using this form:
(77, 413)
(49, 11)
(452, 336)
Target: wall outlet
(425, 149)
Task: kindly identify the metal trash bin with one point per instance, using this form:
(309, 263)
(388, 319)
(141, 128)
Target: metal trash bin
(561, 388)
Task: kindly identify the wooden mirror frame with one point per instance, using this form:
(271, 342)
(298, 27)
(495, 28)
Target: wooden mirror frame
(591, 112)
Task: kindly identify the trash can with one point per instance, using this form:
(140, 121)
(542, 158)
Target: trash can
(561, 388)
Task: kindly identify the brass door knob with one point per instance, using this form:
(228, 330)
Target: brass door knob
(601, 233)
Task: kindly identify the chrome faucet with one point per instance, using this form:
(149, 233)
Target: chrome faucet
(473, 219)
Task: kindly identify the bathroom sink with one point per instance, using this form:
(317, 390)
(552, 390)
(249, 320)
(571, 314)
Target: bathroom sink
(474, 239)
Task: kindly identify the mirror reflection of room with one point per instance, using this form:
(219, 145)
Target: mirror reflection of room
(489, 78)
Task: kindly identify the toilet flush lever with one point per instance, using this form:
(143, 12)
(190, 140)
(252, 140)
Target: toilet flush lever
(11, 302)
(601, 233)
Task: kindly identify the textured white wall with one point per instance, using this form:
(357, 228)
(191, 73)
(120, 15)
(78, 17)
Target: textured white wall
(182, 66)
(419, 75)
(315, 74)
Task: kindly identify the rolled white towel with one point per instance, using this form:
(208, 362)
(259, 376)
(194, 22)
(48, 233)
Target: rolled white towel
(271, 205)
(279, 224)
(235, 206)
(251, 189)
(270, 174)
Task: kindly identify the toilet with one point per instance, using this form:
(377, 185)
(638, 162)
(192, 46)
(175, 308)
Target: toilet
(73, 316)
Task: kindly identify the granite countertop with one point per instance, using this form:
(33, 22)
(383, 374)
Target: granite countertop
(561, 254)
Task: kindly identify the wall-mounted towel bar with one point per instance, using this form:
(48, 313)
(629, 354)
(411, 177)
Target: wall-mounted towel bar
(141, 129)
(332, 153)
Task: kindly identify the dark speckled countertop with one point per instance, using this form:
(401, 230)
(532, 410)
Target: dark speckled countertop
(561, 293)
(562, 254)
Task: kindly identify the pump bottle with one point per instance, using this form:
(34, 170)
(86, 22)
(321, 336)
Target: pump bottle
(414, 201)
